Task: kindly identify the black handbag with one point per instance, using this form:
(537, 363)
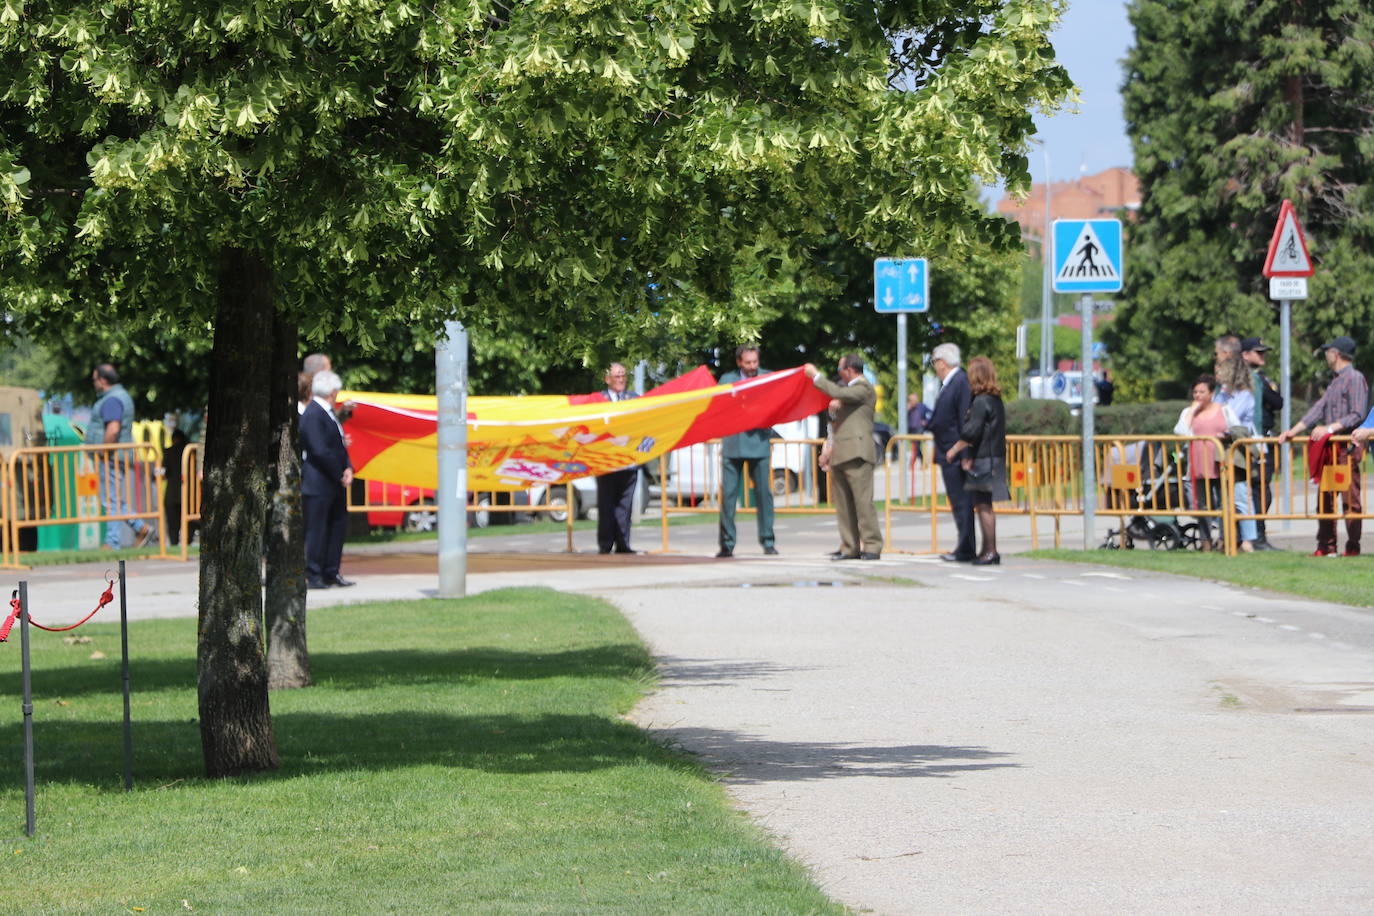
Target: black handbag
(979, 476)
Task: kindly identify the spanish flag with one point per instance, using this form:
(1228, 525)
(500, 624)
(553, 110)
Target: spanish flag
(518, 442)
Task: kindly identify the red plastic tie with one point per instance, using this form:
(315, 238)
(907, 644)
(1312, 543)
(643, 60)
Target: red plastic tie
(9, 621)
(105, 598)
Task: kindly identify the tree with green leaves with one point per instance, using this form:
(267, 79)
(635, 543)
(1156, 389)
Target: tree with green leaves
(1232, 107)
(278, 170)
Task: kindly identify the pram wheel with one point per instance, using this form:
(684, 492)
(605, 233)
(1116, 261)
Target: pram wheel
(1190, 538)
(1165, 537)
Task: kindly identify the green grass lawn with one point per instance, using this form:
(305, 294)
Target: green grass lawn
(1346, 580)
(464, 756)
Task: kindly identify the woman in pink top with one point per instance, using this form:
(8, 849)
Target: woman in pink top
(1205, 417)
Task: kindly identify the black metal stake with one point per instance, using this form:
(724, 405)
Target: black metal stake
(30, 821)
(128, 720)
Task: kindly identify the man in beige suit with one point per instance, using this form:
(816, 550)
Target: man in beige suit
(852, 459)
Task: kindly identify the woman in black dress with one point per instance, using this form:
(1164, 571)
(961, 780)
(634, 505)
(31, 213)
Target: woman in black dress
(984, 434)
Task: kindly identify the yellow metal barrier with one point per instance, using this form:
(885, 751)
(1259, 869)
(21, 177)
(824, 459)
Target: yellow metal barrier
(551, 501)
(918, 494)
(192, 482)
(62, 485)
(1151, 477)
(689, 481)
(1259, 461)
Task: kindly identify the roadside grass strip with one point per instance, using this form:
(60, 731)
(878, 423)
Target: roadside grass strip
(454, 756)
(1343, 580)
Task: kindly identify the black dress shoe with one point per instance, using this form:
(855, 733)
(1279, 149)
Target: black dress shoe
(603, 550)
(317, 585)
(724, 552)
(770, 551)
(955, 558)
(341, 582)
(988, 559)
(837, 555)
(844, 556)
(624, 549)
(870, 556)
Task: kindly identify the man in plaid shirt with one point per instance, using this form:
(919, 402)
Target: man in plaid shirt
(1339, 410)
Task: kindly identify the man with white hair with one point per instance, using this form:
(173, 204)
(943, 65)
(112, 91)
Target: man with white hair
(945, 421)
(325, 476)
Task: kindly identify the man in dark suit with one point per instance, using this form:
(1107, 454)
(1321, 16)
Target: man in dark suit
(615, 491)
(945, 420)
(325, 476)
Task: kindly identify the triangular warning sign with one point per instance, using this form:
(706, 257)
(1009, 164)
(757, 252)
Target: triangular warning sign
(1087, 260)
(1288, 249)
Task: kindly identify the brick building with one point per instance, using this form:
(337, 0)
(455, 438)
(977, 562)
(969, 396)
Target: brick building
(1099, 196)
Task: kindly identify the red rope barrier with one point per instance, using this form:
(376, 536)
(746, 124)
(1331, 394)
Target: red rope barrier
(105, 598)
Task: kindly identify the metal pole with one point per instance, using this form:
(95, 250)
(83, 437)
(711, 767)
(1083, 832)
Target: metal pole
(1286, 413)
(1046, 295)
(902, 429)
(641, 500)
(1086, 385)
(451, 378)
(124, 676)
(30, 820)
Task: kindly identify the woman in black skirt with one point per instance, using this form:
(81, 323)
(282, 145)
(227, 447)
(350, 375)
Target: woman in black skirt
(984, 434)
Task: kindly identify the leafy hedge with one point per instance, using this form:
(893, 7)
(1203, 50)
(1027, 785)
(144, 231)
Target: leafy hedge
(1030, 417)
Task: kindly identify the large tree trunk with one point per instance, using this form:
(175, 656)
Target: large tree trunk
(288, 661)
(235, 721)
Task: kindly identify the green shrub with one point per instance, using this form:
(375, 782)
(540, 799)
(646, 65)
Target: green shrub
(1034, 417)
(1153, 419)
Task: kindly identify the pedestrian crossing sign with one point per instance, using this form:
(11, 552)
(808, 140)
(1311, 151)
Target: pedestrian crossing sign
(1087, 255)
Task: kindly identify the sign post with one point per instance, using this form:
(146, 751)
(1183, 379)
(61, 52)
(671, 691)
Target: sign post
(901, 286)
(1087, 260)
(1287, 266)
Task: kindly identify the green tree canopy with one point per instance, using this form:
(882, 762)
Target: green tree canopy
(1232, 107)
(355, 166)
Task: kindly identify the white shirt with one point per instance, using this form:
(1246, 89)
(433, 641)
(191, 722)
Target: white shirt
(948, 375)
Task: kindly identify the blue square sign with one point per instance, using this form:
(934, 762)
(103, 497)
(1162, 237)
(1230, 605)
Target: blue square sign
(901, 285)
(1087, 255)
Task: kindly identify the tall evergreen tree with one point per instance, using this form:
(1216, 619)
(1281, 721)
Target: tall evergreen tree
(1232, 106)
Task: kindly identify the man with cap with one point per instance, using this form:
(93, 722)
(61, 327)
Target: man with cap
(1252, 351)
(1338, 411)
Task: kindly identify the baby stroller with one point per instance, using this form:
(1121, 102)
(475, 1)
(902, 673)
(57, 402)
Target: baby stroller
(1161, 487)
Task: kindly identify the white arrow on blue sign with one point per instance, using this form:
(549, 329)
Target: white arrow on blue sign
(901, 285)
(1087, 255)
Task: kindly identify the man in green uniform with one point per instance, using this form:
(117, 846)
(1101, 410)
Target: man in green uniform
(747, 450)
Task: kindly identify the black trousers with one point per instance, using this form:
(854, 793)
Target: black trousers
(326, 522)
(962, 505)
(615, 496)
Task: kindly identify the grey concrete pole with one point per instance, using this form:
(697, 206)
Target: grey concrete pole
(451, 378)
(1089, 464)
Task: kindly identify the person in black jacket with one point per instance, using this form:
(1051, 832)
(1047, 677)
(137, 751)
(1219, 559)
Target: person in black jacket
(984, 435)
(325, 476)
(945, 422)
(1252, 350)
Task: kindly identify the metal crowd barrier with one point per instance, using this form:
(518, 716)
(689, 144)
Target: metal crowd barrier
(1143, 482)
(689, 481)
(551, 501)
(1343, 473)
(1151, 477)
(62, 485)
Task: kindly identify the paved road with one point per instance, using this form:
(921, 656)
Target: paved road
(935, 739)
(1038, 738)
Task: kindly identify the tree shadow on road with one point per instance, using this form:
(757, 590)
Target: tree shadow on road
(748, 759)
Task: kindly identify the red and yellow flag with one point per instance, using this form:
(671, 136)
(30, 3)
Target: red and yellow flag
(517, 442)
